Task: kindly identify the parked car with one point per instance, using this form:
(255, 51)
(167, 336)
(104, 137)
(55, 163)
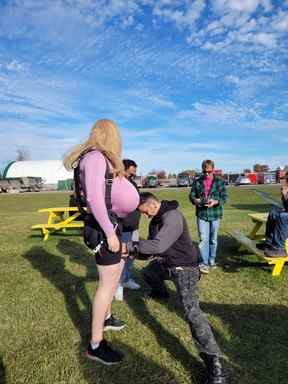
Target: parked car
(183, 180)
(242, 180)
(172, 182)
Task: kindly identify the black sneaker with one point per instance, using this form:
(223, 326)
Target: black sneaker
(113, 324)
(104, 354)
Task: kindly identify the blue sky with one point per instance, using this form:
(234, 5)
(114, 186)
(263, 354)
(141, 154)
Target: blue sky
(185, 80)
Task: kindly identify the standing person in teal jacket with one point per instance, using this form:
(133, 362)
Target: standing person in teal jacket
(208, 194)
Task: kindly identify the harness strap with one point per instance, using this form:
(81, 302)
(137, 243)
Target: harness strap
(80, 197)
(108, 187)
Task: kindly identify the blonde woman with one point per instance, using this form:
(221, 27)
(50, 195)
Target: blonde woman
(103, 148)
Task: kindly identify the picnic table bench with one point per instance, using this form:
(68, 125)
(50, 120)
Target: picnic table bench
(259, 219)
(59, 219)
(249, 242)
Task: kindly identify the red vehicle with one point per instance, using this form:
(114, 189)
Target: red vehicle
(252, 176)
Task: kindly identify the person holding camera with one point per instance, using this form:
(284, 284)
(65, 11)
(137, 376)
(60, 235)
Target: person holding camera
(102, 180)
(208, 194)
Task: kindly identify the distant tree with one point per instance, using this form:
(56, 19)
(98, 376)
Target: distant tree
(261, 168)
(246, 170)
(22, 154)
(190, 172)
(172, 175)
(257, 168)
(161, 174)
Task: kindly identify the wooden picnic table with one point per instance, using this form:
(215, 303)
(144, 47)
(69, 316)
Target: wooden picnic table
(59, 219)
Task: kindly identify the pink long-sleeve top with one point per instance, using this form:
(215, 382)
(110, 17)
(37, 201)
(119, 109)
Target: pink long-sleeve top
(208, 181)
(124, 196)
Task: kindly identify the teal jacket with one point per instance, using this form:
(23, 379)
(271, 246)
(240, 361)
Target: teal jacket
(217, 192)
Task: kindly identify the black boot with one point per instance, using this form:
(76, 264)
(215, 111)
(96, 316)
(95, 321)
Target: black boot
(216, 374)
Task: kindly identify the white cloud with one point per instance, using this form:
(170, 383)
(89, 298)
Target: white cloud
(232, 79)
(266, 39)
(280, 22)
(15, 66)
(92, 67)
(247, 6)
(69, 20)
(225, 116)
(239, 25)
(216, 113)
(183, 18)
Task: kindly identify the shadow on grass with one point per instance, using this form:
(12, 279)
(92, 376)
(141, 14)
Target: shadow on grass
(257, 344)
(52, 268)
(2, 372)
(165, 339)
(232, 260)
(68, 234)
(252, 207)
(79, 254)
(136, 367)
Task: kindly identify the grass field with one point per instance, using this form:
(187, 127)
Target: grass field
(46, 289)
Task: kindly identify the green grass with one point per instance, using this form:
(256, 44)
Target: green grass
(46, 289)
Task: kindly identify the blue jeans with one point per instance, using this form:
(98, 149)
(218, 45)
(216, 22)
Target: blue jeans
(127, 270)
(276, 229)
(208, 232)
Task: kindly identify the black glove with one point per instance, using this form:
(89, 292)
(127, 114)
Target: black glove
(133, 248)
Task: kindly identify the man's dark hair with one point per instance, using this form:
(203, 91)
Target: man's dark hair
(145, 196)
(129, 163)
(207, 162)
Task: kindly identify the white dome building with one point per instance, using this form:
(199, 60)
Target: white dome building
(51, 171)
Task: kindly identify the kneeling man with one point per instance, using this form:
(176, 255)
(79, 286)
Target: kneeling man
(177, 259)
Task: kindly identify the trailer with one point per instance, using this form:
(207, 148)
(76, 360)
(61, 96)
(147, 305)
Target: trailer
(151, 181)
(138, 180)
(20, 184)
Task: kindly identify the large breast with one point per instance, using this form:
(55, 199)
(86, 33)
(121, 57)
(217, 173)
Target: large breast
(125, 197)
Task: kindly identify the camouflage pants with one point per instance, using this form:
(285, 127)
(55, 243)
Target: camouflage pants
(185, 280)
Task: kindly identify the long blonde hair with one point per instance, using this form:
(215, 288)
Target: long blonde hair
(105, 137)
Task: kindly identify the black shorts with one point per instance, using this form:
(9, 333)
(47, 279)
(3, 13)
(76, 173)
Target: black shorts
(105, 256)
